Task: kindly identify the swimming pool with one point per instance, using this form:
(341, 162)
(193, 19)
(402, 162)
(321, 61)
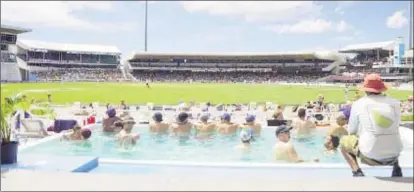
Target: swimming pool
(214, 158)
(217, 149)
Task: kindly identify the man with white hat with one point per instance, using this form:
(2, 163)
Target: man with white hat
(246, 139)
(374, 129)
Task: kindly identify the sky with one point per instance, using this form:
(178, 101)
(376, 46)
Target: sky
(211, 26)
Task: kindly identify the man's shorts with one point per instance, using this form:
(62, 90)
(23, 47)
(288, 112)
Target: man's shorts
(350, 144)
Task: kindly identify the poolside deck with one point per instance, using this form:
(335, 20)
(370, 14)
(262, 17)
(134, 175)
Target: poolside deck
(12, 181)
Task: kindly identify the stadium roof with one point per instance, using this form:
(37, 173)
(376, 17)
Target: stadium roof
(328, 55)
(77, 48)
(386, 45)
(13, 30)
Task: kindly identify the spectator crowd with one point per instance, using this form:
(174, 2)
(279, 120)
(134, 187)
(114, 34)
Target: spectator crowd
(223, 77)
(80, 74)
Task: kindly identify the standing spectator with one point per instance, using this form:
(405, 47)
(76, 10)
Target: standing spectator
(374, 128)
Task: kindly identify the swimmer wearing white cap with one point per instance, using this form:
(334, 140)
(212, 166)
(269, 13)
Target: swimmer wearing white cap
(245, 138)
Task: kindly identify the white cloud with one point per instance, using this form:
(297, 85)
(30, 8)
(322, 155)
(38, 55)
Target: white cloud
(342, 5)
(397, 20)
(58, 14)
(253, 11)
(339, 10)
(309, 26)
(343, 26)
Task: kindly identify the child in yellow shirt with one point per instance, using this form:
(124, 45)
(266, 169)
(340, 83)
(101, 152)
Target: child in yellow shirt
(340, 130)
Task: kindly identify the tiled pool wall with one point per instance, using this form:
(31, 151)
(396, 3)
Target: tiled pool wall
(205, 169)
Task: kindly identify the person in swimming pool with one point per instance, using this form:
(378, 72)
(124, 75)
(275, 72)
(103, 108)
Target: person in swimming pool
(246, 139)
(204, 128)
(111, 123)
(278, 115)
(158, 126)
(77, 134)
(182, 128)
(331, 143)
(125, 136)
(284, 149)
(252, 126)
(226, 127)
(302, 125)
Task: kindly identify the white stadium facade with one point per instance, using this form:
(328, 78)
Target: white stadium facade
(10, 71)
(24, 60)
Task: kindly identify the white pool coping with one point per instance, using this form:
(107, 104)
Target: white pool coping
(406, 134)
(239, 164)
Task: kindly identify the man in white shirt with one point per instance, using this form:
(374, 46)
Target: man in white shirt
(374, 129)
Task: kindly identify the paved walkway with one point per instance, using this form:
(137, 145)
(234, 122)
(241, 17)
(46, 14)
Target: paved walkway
(36, 181)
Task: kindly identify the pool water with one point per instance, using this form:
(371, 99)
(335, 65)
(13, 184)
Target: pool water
(217, 149)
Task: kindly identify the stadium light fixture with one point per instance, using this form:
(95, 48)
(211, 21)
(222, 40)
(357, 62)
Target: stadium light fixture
(146, 27)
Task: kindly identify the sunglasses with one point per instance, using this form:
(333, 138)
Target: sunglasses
(130, 123)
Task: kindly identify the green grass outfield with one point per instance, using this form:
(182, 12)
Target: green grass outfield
(137, 93)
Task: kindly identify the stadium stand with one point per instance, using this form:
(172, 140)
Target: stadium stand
(10, 70)
(49, 61)
(232, 67)
(388, 58)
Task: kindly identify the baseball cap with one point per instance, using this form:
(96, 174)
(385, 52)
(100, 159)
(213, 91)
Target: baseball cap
(245, 136)
(282, 129)
(250, 118)
(226, 117)
(157, 117)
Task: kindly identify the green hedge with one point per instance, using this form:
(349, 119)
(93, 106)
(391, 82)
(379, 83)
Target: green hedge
(407, 117)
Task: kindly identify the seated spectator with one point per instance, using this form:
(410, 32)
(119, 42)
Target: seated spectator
(374, 129)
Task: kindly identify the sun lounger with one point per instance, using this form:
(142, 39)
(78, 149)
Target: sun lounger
(33, 128)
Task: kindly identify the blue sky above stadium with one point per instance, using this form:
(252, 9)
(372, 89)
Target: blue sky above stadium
(220, 26)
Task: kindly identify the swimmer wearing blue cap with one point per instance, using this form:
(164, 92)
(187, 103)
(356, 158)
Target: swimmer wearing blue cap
(158, 126)
(226, 127)
(111, 123)
(252, 126)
